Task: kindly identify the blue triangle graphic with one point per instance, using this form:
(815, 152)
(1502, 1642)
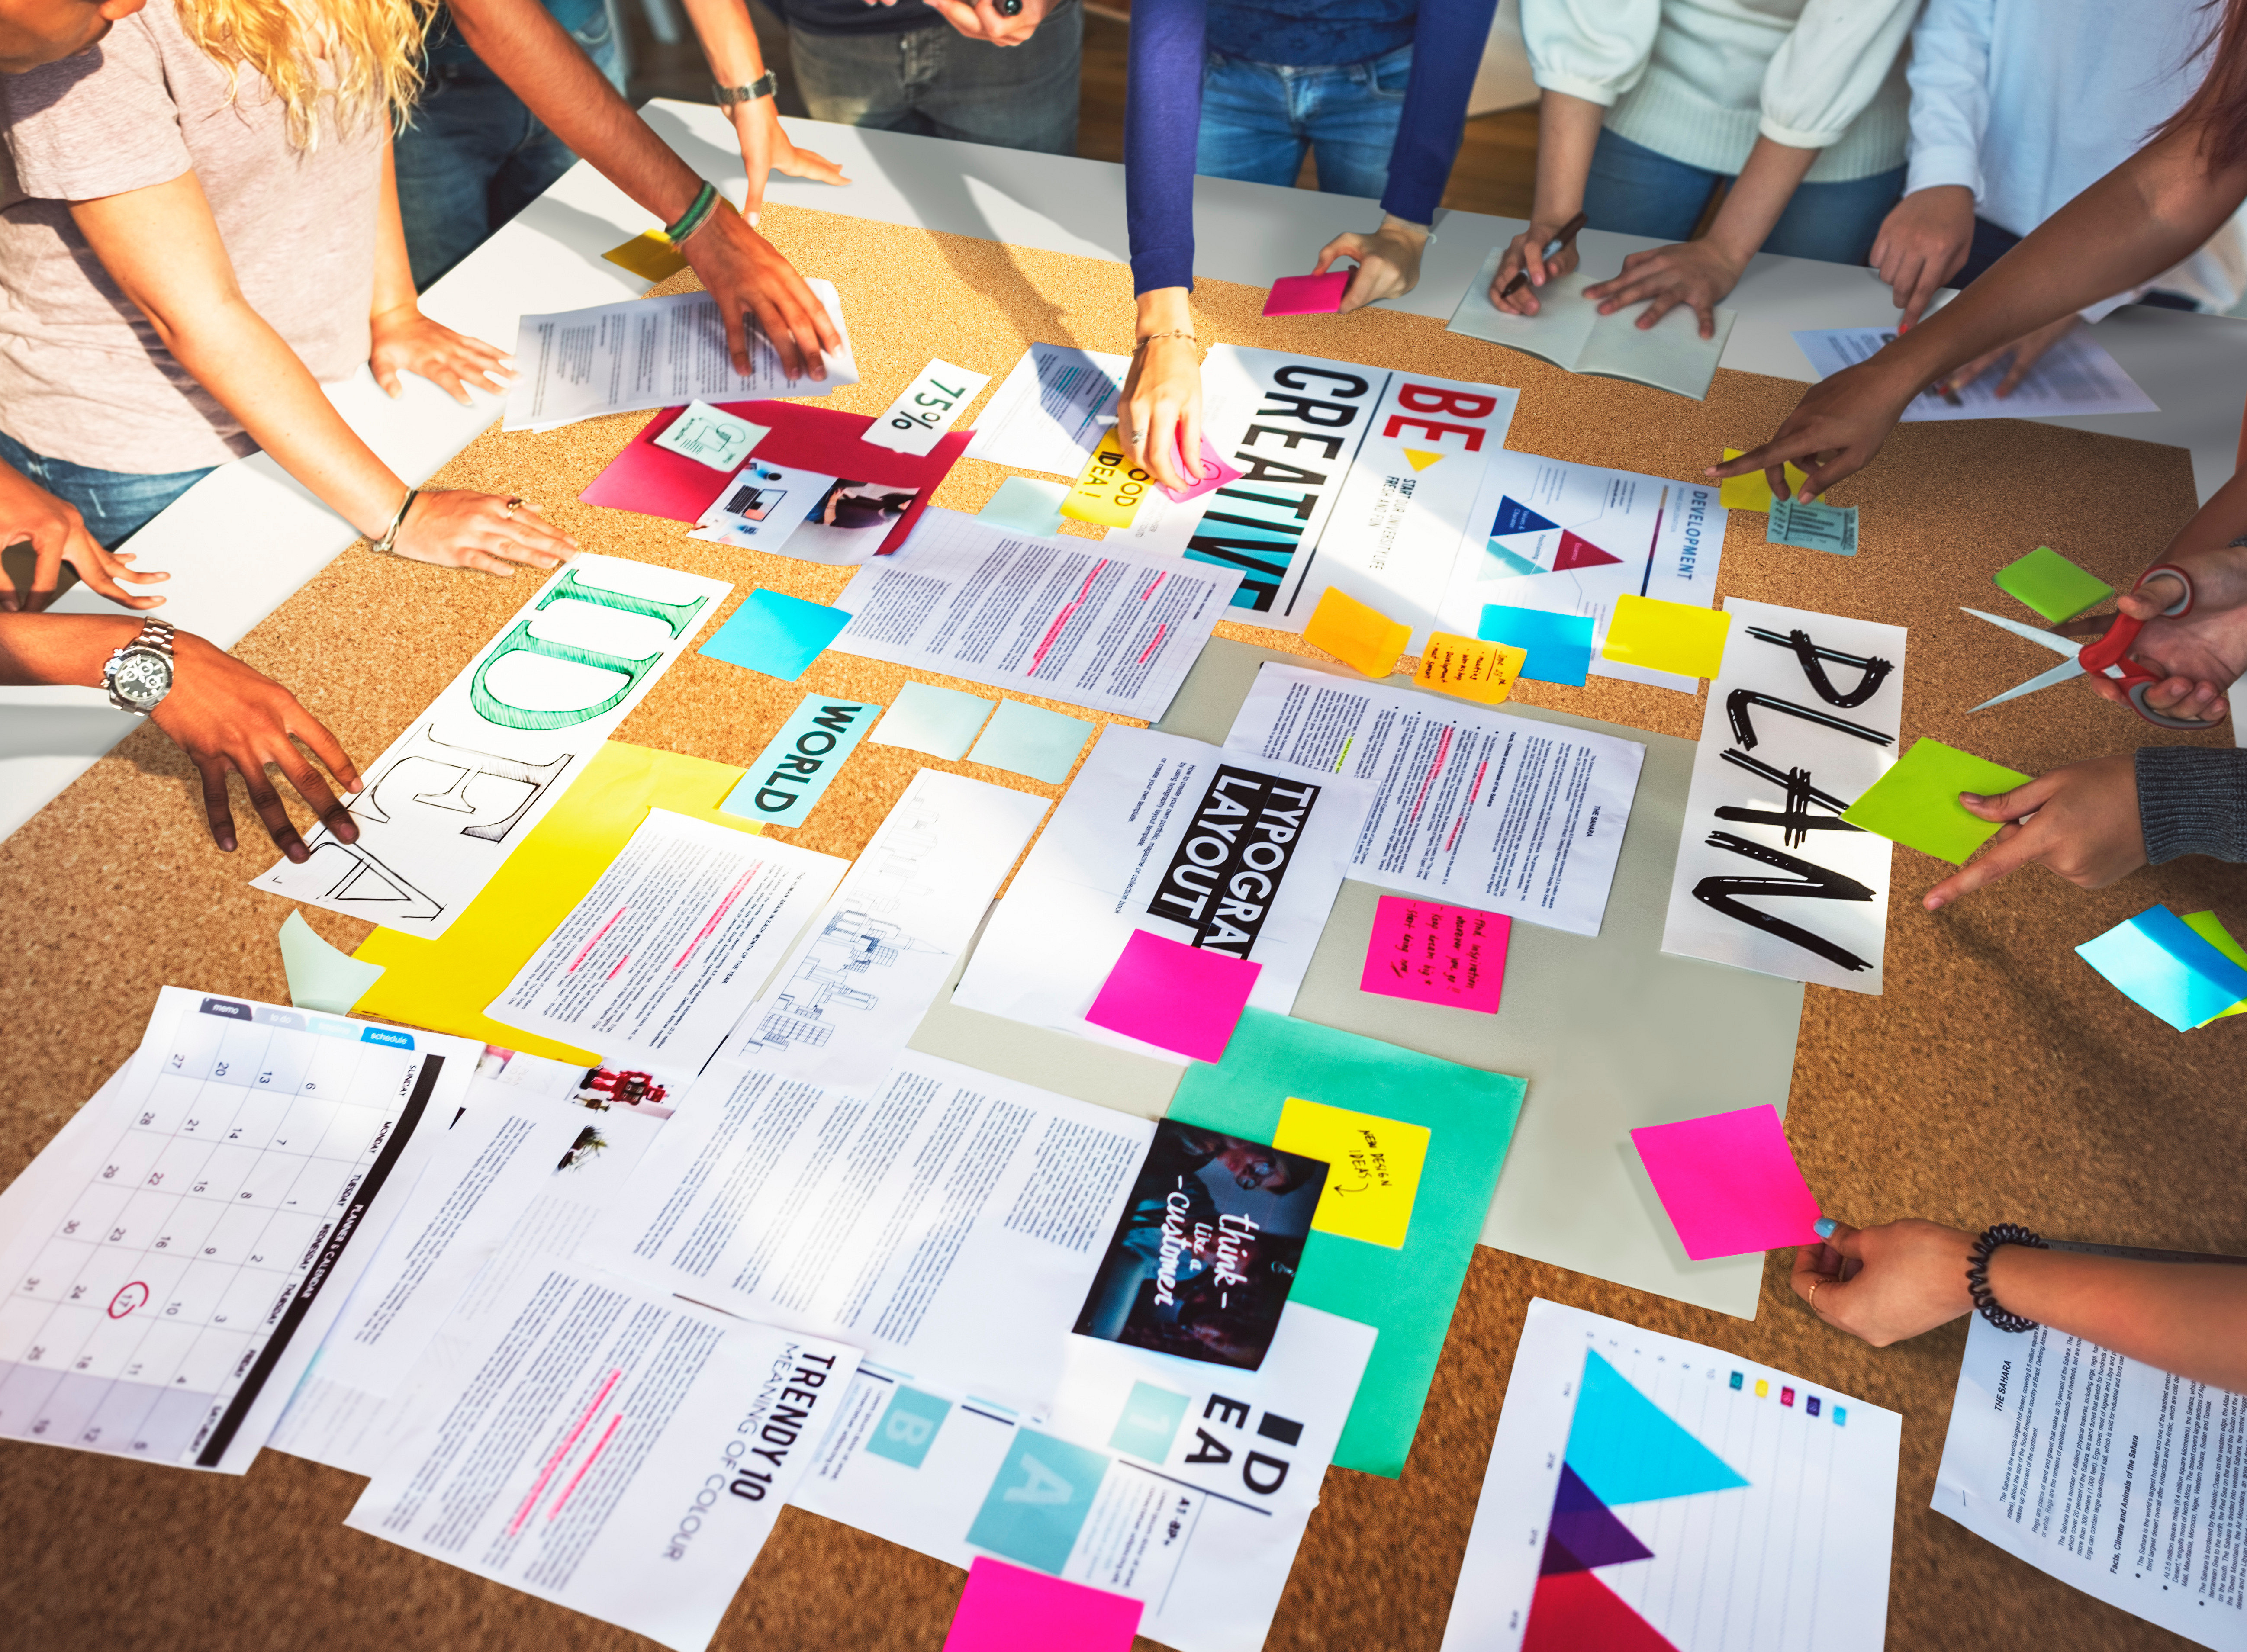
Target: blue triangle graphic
(1514, 517)
(1627, 1449)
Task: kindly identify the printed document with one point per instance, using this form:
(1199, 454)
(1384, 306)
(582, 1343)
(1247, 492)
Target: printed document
(949, 1225)
(614, 1451)
(2075, 375)
(668, 948)
(1051, 410)
(1236, 853)
(1470, 804)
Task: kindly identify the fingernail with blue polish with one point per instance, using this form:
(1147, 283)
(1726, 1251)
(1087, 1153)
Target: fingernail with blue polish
(1824, 1227)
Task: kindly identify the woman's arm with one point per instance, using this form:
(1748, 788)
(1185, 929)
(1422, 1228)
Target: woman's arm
(1567, 132)
(1159, 415)
(729, 41)
(404, 339)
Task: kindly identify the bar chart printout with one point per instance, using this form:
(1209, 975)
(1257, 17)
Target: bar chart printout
(1647, 1494)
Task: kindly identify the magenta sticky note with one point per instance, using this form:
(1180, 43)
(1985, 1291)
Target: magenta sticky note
(1176, 996)
(1437, 954)
(1729, 1182)
(1005, 1608)
(1215, 473)
(1307, 295)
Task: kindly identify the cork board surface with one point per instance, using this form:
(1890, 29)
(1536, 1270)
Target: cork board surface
(1997, 1079)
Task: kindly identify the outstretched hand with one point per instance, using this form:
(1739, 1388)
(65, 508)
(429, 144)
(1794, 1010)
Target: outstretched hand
(2080, 822)
(1834, 432)
(1888, 1283)
(2200, 654)
(1697, 274)
(57, 535)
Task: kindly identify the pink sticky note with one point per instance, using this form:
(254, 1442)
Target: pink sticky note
(1215, 472)
(1176, 996)
(1307, 295)
(1729, 1182)
(1005, 1608)
(1437, 954)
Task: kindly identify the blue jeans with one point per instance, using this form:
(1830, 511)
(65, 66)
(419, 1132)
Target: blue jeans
(1259, 119)
(1638, 191)
(475, 155)
(115, 504)
(934, 82)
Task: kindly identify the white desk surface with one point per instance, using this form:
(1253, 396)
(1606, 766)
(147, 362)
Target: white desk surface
(242, 541)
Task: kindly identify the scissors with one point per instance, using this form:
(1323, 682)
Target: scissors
(2109, 655)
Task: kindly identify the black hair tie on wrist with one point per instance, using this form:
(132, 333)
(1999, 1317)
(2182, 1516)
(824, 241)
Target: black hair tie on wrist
(1978, 1273)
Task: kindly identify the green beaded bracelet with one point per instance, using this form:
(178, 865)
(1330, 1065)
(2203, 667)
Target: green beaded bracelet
(706, 200)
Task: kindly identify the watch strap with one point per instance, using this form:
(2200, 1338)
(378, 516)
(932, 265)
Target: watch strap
(154, 637)
(765, 85)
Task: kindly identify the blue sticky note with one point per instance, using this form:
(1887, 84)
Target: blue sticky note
(1559, 645)
(1026, 505)
(2157, 961)
(940, 721)
(1029, 739)
(777, 634)
(792, 772)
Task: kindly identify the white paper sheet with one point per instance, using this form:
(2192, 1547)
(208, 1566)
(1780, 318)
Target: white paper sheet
(1239, 854)
(2075, 375)
(1069, 619)
(872, 962)
(926, 407)
(950, 1225)
(1164, 1479)
(652, 353)
(1470, 805)
(616, 1452)
(1050, 410)
(666, 951)
(2120, 1480)
(470, 777)
(761, 506)
(1732, 1507)
(1569, 539)
(168, 1271)
(1569, 331)
(1793, 898)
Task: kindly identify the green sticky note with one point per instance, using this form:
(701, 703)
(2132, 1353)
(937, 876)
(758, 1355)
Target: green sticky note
(320, 977)
(1809, 526)
(2050, 583)
(1026, 505)
(1915, 804)
(1029, 739)
(2211, 929)
(940, 721)
(1406, 1293)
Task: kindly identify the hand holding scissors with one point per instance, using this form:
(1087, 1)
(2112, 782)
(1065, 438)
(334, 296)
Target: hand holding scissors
(2109, 656)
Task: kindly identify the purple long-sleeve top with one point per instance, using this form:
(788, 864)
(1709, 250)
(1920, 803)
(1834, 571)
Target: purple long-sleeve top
(1162, 100)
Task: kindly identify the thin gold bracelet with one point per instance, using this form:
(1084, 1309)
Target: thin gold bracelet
(1186, 333)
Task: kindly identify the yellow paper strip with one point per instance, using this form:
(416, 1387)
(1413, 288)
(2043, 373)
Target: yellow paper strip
(649, 254)
(2211, 929)
(1471, 667)
(1660, 636)
(1108, 490)
(1752, 492)
(1363, 639)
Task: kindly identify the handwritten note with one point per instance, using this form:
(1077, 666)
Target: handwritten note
(1109, 488)
(1471, 667)
(1437, 954)
(1373, 1168)
(926, 409)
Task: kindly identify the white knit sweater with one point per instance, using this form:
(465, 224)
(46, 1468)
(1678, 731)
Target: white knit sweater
(1697, 80)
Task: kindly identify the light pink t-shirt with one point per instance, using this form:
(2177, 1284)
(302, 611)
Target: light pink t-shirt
(83, 376)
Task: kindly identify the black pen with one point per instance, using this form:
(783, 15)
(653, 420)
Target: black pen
(1553, 248)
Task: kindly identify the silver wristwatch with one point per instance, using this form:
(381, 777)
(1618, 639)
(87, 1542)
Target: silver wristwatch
(763, 86)
(139, 675)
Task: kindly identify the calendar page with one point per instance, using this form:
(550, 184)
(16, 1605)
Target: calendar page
(171, 1264)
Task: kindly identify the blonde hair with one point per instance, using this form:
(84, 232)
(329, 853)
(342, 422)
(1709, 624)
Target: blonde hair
(374, 47)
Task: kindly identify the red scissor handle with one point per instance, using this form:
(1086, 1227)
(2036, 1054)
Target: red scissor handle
(2112, 651)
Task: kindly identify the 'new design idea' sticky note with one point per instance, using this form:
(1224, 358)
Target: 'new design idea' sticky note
(794, 771)
(1729, 1182)
(1175, 996)
(775, 634)
(1010, 1609)
(1026, 505)
(1660, 636)
(1373, 1168)
(1915, 804)
(2160, 963)
(1559, 645)
(710, 437)
(1307, 295)
(1363, 639)
(940, 721)
(1216, 471)
(1469, 667)
(1813, 526)
(2050, 583)
(1108, 490)
(320, 976)
(2211, 929)
(1029, 739)
(1752, 492)
(1437, 954)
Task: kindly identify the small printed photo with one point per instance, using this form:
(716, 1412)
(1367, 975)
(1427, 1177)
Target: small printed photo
(857, 506)
(604, 1088)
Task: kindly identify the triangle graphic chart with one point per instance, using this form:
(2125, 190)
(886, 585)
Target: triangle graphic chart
(1514, 517)
(1576, 551)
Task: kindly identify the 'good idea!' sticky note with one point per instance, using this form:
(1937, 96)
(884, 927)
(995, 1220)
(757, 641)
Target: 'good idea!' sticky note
(1364, 638)
(1437, 954)
(1915, 804)
(1374, 1167)
(1729, 1182)
(1109, 490)
(1469, 667)
(1659, 636)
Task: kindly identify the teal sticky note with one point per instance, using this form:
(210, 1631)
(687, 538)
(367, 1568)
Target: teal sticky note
(777, 634)
(908, 1426)
(1150, 1422)
(793, 771)
(1559, 645)
(2159, 963)
(2050, 583)
(1039, 1499)
(1026, 505)
(1029, 739)
(940, 721)
(320, 976)
(1915, 804)
(1807, 525)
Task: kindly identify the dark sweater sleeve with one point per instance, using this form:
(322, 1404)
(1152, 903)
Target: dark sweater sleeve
(1162, 117)
(1447, 46)
(2192, 800)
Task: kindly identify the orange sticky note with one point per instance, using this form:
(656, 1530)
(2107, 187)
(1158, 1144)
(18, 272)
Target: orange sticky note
(1471, 667)
(648, 254)
(1109, 488)
(1363, 639)
(1752, 492)
(1659, 636)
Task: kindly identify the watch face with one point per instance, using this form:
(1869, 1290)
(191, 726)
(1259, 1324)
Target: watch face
(142, 677)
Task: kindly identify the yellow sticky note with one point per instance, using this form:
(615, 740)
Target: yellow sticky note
(1471, 667)
(1373, 1168)
(1660, 636)
(1752, 492)
(1363, 639)
(1109, 488)
(649, 254)
(444, 982)
(2211, 929)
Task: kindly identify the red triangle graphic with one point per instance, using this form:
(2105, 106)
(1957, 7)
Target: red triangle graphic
(1575, 1612)
(1576, 551)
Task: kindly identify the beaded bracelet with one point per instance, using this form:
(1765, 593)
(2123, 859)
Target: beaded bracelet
(706, 199)
(1978, 1273)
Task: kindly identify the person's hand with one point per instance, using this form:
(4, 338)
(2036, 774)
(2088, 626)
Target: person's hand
(1885, 1284)
(226, 717)
(2202, 653)
(1159, 416)
(1526, 251)
(1694, 273)
(747, 276)
(1388, 262)
(2080, 822)
(1924, 242)
(58, 535)
(455, 528)
(407, 341)
(982, 20)
(766, 150)
(2025, 354)
(1834, 432)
